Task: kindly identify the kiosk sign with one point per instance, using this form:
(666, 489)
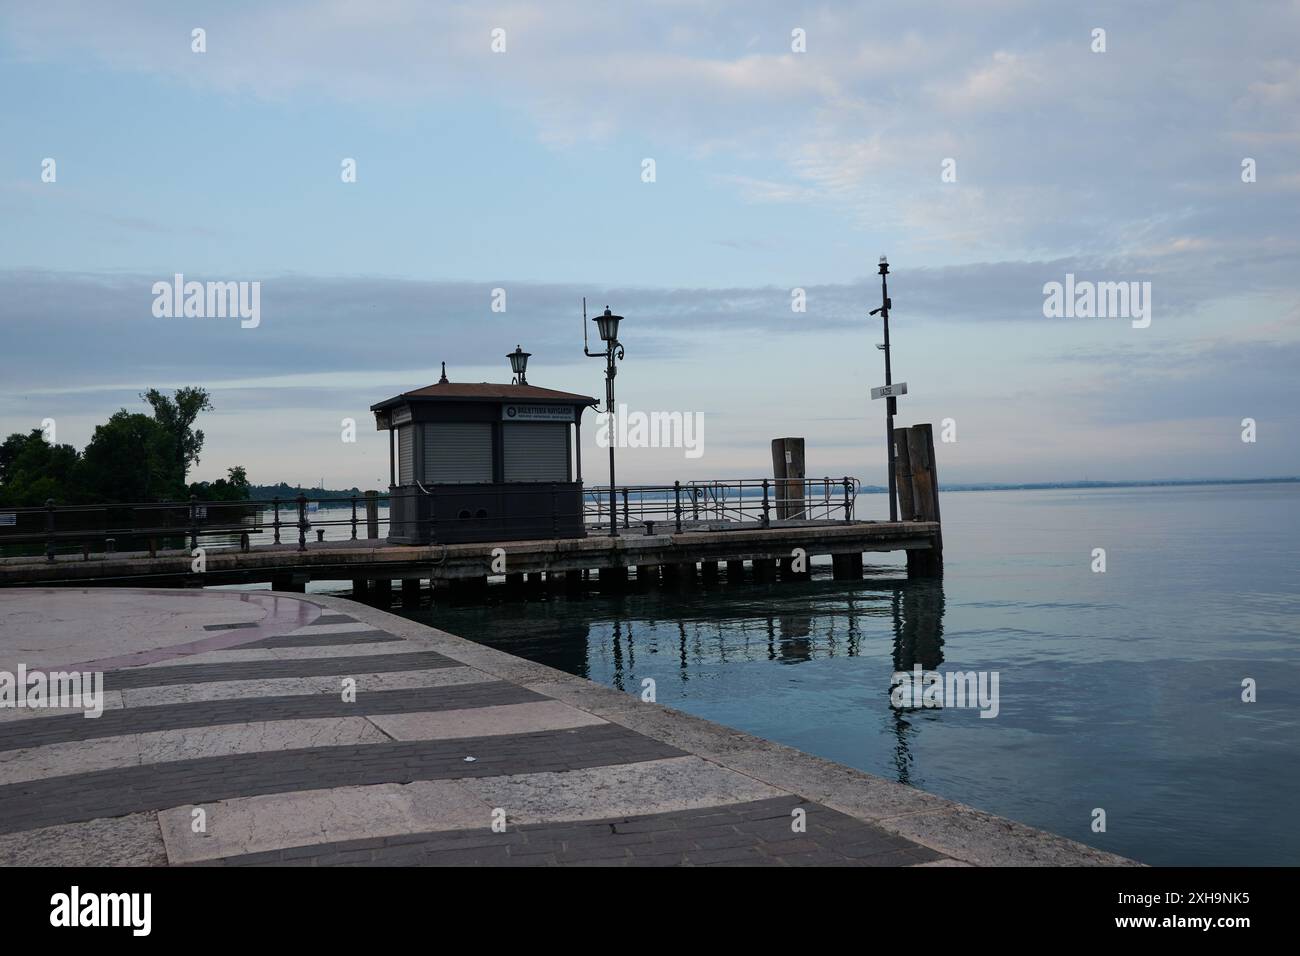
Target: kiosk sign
(537, 413)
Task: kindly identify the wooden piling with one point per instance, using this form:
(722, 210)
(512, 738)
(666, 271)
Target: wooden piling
(903, 475)
(925, 499)
(372, 514)
(788, 470)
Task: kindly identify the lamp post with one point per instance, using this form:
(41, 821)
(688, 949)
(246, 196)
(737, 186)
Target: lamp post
(518, 365)
(891, 403)
(607, 326)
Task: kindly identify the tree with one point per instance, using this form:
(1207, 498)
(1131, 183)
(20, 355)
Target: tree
(130, 458)
(32, 470)
(234, 487)
(176, 415)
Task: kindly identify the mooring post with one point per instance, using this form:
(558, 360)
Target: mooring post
(903, 471)
(372, 514)
(302, 522)
(49, 529)
(925, 497)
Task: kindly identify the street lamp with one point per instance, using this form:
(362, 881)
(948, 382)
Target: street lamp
(607, 326)
(518, 365)
(891, 403)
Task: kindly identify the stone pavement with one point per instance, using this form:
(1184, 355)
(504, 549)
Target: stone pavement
(230, 737)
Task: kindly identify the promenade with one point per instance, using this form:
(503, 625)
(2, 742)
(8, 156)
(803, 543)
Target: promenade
(254, 728)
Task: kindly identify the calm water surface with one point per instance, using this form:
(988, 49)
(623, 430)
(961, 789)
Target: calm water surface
(1119, 690)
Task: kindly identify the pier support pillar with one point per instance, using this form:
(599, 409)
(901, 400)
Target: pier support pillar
(574, 580)
(764, 570)
(613, 578)
(381, 592)
(294, 583)
(709, 572)
(515, 585)
(410, 592)
(735, 572)
(647, 575)
(360, 589)
(683, 573)
(842, 567)
(468, 590)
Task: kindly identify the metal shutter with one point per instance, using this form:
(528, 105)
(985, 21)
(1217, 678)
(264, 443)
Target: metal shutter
(405, 455)
(536, 452)
(457, 452)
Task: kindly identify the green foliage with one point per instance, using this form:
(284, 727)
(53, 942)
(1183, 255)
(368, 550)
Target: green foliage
(32, 470)
(232, 488)
(131, 457)
(176, 415)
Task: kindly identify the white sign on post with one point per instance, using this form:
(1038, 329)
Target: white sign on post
(890, 391)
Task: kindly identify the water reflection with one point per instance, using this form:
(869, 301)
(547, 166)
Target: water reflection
(704, 644)
(917, 611)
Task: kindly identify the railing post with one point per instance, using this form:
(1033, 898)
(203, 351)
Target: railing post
(695, 503)
(433, 517)
(677, 492)
(626, 523)
(276, 523)
(766, 517)
(354, 517)
(194, 522)
(302, 522)
(848, 505)
(555, 511)
(49, 529)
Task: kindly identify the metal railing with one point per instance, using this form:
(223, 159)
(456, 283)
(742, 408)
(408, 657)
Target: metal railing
(737, 500)
(440, 514)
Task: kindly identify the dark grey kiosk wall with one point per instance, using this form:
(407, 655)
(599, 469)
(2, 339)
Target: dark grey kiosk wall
(483, 462)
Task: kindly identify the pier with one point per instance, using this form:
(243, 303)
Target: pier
(765, 530)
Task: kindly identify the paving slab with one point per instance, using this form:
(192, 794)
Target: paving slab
(309, 818)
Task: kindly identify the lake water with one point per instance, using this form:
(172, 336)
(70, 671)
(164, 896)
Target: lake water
(1119, 690)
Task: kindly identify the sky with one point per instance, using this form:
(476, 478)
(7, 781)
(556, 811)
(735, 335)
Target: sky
(988, 149)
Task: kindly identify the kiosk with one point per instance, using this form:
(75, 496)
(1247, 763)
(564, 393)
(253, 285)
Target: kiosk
(483, 462)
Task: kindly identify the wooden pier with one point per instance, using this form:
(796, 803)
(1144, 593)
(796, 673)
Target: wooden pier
(373, 565)
(668, 535)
